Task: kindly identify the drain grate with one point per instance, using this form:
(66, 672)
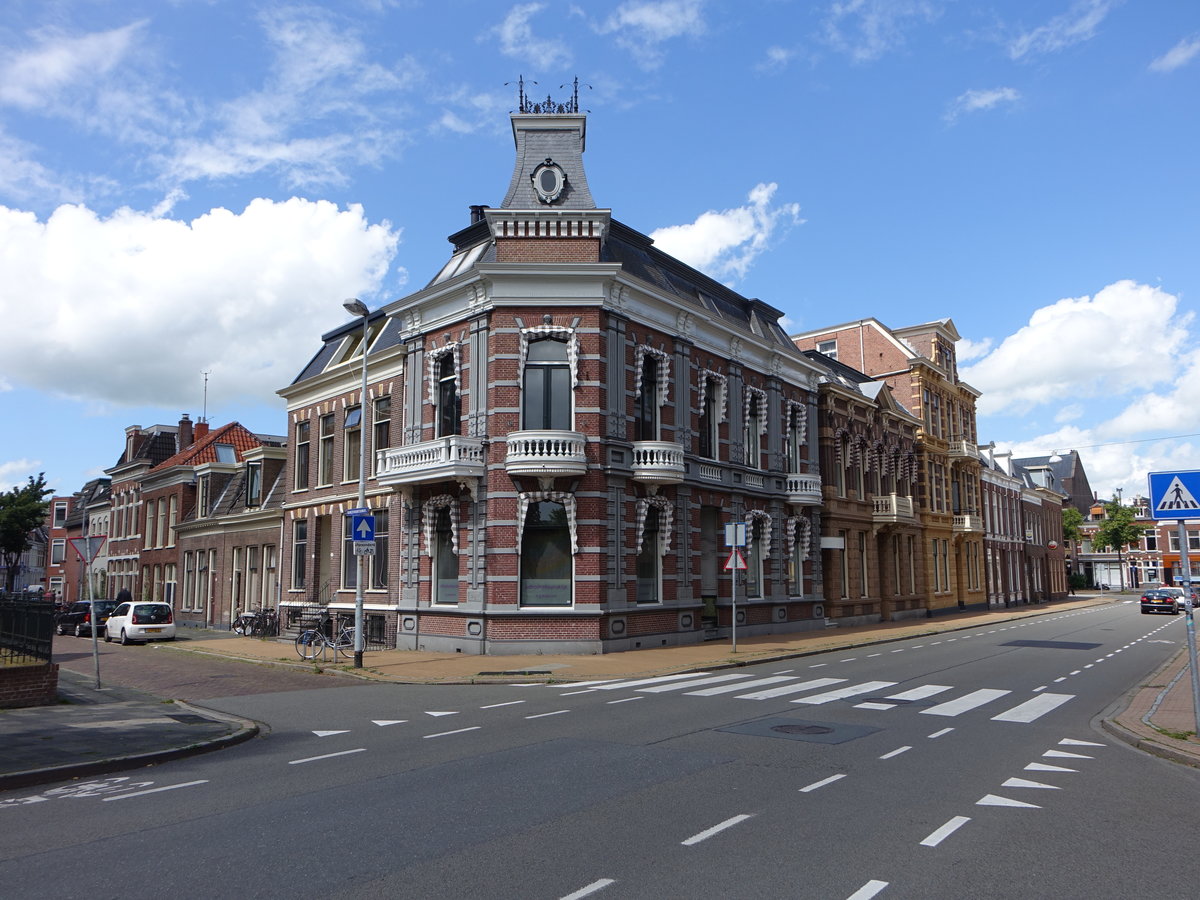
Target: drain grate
(803, 729)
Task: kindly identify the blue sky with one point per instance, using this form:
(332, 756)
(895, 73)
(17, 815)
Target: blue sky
(191, 186)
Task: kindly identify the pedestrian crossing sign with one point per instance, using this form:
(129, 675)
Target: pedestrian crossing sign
(1175, 495)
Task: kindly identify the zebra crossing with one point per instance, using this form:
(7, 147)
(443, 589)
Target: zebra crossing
(819, 691)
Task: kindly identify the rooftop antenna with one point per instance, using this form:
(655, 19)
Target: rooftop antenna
(204, 417)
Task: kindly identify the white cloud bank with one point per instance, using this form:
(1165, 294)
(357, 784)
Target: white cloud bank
(1077, 24)
(1083, 347)
(725, 244)
(865, 30)
(517, 39)
(643, 27)
(977, 100)
(131, 309)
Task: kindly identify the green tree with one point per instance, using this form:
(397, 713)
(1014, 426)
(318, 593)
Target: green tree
(1071, 520)
(22, 509)
(1117, 532)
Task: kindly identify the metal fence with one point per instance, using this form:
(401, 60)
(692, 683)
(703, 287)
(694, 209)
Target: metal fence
(26, 630)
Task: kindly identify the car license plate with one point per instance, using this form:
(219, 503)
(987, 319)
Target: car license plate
(153, 630)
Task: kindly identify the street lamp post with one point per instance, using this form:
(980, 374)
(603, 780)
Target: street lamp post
(358, 308)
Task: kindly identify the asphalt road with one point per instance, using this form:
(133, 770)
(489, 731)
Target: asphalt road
(963, 766)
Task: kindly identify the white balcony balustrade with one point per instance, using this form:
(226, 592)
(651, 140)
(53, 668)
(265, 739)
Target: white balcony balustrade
(892, 509)
(546, 454)
(968, 522)
(657, 462)
(804, 490)
(449, 457)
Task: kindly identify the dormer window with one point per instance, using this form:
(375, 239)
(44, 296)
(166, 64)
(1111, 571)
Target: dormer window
(254, 484)
(226, 453)
(549, 180)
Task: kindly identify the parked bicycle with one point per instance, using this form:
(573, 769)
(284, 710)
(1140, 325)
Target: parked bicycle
(312, 642)
(260, 623)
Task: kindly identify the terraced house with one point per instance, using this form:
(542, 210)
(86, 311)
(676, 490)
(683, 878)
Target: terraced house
(559, 425)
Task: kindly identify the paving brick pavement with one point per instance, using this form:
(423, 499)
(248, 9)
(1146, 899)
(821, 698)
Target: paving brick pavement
(122, 727)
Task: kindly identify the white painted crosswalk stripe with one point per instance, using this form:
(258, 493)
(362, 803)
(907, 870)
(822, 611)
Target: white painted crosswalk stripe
(1034, 709)
(842, 693)
(786, 689)
(966, 702)
(659, 680)
(695, 682)
(740, 686)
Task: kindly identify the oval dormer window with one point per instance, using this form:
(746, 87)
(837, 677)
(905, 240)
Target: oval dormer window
(549, 180)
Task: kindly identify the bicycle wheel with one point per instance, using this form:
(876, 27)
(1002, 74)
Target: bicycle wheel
(345, 643)
(309, 644)
(240, 625)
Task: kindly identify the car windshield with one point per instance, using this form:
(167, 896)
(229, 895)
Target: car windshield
(152, 612)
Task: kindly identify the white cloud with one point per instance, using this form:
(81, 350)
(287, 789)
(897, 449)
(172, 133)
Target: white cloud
(967, 349)
(1077, 24)
(643, 27)
(518, 40)
(867, 29)
(725, 244)
(1084, 347)
(33, 78)
(776, 59)
(128, 310)
(1069, 413)
(16, 472)
(976, 100)
(324, 105)
(1179, 55)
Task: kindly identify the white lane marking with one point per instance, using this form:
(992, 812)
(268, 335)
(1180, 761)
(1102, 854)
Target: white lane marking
(1063, 754)
(783, 671)
(818, 665)
(528, 684)
(995, 800)
(870, 655)
(296, 762)
(841, 693)
(741, 686)
(330, 733)
(579, 684)
(448, 733)
(1060, 678)
(169, 787)
(590, 889)
(1071, 742)
(716, 829)
(557, 712)
(382, 722)
(623, 700)
(820, 784)
(919, 693)
(940, 834)
(870, 705)
(895, 752)
(938, 734)
(965, 702)
(498, 705)
(572, 693)
(794, 688)
(1026, 783)
(641, 681)
(868, 890)
(1040, 689)
(436, 714)
(1046, 767)
(901, 650)
(695, 682)
(1034, 709)
(1076, 672)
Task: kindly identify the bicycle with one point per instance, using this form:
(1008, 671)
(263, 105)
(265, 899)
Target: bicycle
(261, 623)
(312, 642)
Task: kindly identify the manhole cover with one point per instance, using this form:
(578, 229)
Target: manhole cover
(802, 729)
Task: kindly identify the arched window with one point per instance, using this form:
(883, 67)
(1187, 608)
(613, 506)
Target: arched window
(546, 391)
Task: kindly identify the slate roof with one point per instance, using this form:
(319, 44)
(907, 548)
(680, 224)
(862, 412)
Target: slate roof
(154, 445)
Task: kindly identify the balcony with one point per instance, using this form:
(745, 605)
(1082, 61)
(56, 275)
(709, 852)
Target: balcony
(965, 524)
(804, 490)
(444, 459)
(546, 454)
(892, 509)
(657, 462)
(962, 450)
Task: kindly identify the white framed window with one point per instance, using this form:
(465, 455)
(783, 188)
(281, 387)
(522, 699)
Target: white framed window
(352, 436)
(758, 550)
(754, 426)
(546, 396)
(828, 348)
(548, 546)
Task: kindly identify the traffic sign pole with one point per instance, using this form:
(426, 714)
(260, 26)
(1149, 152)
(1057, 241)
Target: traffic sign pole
(1186, 565)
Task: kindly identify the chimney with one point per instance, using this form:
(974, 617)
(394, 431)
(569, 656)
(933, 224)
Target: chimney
(201, 431)
(477, 214)
(185, 432)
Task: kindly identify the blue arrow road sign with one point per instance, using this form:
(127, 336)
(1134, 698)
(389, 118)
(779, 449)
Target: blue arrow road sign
(362, 528)
(1175, 495)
